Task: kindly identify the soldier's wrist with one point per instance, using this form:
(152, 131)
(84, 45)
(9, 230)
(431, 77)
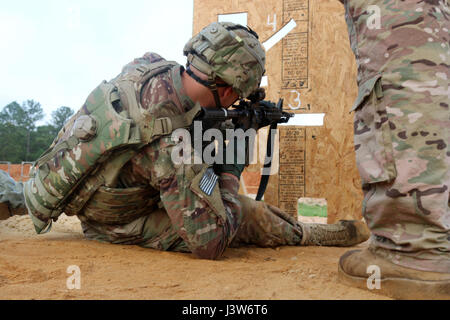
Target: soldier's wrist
(234, 169)
(225, 176)
(229, 183)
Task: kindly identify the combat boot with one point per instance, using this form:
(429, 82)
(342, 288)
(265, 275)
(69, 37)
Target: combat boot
(4, 211)
(7, 211)
(356, 266)
(345, 233)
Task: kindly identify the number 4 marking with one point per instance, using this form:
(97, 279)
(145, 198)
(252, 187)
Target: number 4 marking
(274, 23)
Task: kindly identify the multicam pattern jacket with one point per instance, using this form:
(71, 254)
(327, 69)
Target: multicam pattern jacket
(207, 224)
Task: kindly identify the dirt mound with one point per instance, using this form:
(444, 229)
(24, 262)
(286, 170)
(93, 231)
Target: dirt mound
(35, 267)
(22, 226)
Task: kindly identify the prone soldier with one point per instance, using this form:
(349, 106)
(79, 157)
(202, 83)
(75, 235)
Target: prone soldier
(111, 165)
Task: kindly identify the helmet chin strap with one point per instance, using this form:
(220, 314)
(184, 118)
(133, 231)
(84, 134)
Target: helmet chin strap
(210, 84)
(215, 93)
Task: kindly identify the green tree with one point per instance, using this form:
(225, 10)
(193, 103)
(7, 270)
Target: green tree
(21, 139)
(41, 140)
(12, 146)
(17, 124)
(60, 116)
(45, 134)
(11, 135)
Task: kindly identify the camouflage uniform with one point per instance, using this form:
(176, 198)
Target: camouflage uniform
(185, 220)
(112, 163)
(402, 127)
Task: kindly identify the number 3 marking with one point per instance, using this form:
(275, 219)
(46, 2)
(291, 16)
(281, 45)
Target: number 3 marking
(296, 100)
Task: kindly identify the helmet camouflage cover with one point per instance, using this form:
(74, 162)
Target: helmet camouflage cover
(231, 52)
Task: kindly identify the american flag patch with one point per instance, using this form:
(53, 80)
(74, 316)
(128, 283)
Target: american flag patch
(208, 181)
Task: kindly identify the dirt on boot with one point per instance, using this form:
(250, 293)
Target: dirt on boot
(344, 233)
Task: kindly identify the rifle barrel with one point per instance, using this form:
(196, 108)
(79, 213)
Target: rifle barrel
(275, 115)
(222, 114)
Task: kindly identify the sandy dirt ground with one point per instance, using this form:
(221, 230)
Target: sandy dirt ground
(35, 267)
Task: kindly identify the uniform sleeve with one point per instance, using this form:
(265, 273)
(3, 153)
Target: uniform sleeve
(205, 223)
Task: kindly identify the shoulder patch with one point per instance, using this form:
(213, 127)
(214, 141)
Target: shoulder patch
(208, 181)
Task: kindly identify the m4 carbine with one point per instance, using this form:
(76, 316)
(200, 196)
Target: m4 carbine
(253, 113)
(260, 113)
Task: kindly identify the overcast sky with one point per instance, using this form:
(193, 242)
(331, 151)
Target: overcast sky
(57, 51)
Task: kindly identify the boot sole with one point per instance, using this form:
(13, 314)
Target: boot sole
(401, 288)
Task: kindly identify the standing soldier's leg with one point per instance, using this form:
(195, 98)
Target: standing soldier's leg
(402, 147)
(408, 216)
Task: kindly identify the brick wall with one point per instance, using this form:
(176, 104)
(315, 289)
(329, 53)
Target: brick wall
(15, 171)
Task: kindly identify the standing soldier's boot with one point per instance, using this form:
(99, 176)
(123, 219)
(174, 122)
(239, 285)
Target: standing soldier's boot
(356, 266)
(268, 226)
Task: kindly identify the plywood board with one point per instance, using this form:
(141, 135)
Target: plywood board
(314, 71)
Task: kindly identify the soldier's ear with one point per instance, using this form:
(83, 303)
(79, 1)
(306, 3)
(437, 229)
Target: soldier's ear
(228, 92)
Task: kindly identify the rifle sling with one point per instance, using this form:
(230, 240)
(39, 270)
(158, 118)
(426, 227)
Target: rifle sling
(267, 164)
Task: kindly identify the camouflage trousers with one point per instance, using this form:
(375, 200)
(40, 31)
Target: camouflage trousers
(403, 156)
(262, 225)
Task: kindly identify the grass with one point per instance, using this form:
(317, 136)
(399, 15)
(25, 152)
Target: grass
(311, 210)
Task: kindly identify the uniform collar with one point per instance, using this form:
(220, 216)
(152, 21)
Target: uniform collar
(179, 89)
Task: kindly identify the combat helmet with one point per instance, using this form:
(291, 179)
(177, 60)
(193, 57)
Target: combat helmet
(230, 52)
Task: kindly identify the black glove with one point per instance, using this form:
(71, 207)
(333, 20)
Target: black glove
(236, 167)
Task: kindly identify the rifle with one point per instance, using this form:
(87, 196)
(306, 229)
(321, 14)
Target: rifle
(260, 113)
